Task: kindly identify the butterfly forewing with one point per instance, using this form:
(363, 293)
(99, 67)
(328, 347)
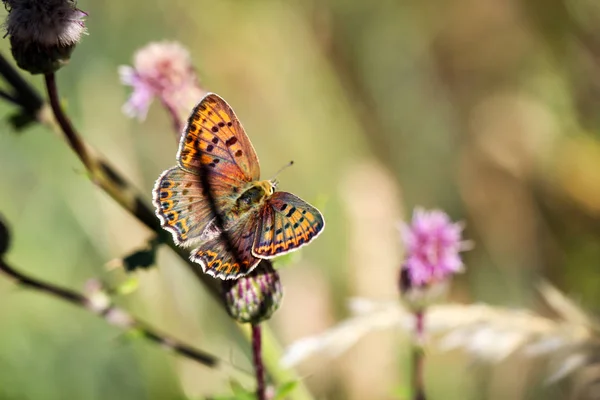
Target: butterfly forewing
(229, 255)
(181, 205)
(286, 223)
(215, 141)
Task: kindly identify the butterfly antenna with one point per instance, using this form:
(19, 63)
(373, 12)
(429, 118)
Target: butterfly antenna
(281, 170)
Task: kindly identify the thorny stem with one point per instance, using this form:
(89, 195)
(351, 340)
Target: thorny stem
(109, 313)
(418, 356)
(258, 363)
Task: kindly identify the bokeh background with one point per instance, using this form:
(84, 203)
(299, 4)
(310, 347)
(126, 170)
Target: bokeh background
(487, 109)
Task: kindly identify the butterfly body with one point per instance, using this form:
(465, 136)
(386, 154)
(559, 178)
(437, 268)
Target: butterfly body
(214, 199)
(252, 199)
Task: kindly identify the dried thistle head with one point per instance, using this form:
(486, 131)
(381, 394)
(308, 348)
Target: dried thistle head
(43, 33)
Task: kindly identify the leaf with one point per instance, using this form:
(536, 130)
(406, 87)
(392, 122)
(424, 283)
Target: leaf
(241, 393)
(143, 258)
(21, 120)
(285, 390)
(129, 286)
(287, 259)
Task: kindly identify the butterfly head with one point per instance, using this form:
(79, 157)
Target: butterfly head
(254, 196)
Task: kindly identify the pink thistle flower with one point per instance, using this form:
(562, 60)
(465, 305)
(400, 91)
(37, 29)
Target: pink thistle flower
(433, 243)
(163, 70)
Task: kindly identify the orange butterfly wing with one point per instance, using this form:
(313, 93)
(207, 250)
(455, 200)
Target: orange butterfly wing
(215, 147)
(181, 205)
(215, 141)
(228, 255)
(286, 223)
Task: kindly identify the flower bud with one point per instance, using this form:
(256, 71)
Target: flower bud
(43, 33)
(254, 297)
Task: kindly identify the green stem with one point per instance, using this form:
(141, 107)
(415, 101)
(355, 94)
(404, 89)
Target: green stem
(418, 357)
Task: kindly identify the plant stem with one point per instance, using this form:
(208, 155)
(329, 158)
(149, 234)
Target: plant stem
(107, 178)
(25, 95)
(418, 356)
(258, 363)
(125, 194)
(175, 120)
(109, 313)
(271, 356)
(65, 123)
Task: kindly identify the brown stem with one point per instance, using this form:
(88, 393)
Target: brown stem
(418, 357)
(24, 94)
(258, 363)
(175, 120)
(107, 178)
(109, 313)
(64, 122)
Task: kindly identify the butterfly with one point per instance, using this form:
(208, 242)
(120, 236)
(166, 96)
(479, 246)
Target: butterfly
(215, 201)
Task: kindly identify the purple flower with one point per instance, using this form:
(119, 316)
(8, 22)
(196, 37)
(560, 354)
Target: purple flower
(433, 243)
(163, 70)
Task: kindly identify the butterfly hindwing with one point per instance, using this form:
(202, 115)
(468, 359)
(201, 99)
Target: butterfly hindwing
(181, 205)
(228, 255)
(215, 141)
(286, 223)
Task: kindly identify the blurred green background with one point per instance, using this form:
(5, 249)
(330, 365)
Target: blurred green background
(487, 109)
